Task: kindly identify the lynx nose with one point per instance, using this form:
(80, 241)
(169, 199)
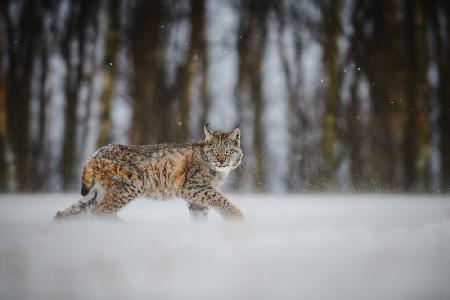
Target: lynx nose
(221, 158)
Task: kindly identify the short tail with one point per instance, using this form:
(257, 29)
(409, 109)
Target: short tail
(87, 180)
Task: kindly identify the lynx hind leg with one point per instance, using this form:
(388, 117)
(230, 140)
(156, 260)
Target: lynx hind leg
(198, 212)
(84, 205)
(117, 196)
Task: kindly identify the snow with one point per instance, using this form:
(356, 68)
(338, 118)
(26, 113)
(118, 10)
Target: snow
(288, 247)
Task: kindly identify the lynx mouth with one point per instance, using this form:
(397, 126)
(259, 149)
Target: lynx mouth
(223, 168)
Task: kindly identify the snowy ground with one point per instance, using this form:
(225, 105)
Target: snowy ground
(289, 247)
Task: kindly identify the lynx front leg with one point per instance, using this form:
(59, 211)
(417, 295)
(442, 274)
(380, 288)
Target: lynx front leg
(198, 212)
(212, 198)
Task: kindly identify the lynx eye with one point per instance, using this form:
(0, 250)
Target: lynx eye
(214, 151)
(229, 151)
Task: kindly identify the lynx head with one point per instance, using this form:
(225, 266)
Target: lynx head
(223, 149)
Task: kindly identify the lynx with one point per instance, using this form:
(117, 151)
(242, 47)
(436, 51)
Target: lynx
(116, 174)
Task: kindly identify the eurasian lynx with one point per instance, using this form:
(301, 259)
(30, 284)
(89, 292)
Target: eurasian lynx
(117, 174)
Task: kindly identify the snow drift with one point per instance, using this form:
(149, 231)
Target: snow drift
(288, 247)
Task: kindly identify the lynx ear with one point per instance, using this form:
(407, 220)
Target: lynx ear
(208, 134)
(235, 135)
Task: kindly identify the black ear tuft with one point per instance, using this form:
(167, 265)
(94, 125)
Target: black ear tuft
(208, 134)
(235, 135)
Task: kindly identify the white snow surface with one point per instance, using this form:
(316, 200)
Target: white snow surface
(288, 247)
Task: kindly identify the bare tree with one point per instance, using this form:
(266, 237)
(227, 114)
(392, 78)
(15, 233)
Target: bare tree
(251, 49)
(330, 132)
(441, 57)
(196, 59)
(109, 73)
(416, 136)
(21, 41)
(151, 113)
(3, 131)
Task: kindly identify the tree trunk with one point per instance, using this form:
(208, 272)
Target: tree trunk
(40, 149)
(416, 137)
(151, 109)
(82, 16)
(444, 99)
(385, 75)
(330, 136)
(443, 90)
(253, 27)
(3, 164)
(109, 74)
(355, 139)
(193, 60)
(21, 46)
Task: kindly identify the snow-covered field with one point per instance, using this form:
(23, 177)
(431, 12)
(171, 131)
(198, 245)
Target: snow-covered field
(288, 247)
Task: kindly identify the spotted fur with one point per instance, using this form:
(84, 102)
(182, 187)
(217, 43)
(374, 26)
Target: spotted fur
(117, 174)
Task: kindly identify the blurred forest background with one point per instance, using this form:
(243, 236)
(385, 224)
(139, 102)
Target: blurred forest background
(344, 95)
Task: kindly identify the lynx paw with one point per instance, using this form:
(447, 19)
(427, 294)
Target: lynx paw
(59, 216)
